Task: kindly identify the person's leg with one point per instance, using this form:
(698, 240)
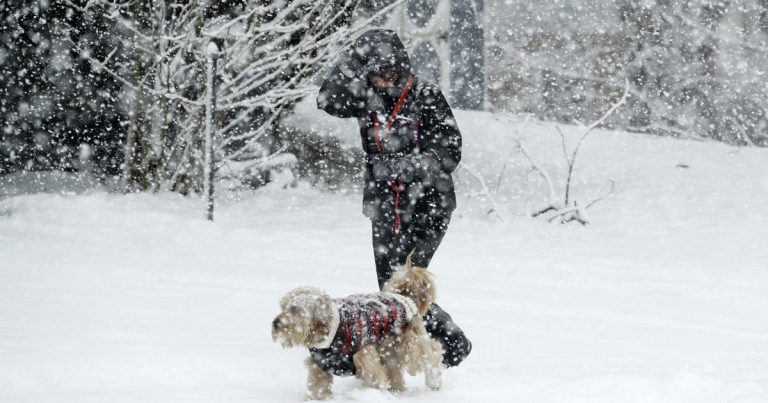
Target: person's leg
(441, 327)
(390, 249)
(383, 245)
(426, 234)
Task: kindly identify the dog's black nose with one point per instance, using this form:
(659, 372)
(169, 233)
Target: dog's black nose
(276, 323)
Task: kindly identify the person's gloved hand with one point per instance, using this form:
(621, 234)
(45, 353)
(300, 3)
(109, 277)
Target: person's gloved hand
(381, 167)
(393, 168)
(403, 169)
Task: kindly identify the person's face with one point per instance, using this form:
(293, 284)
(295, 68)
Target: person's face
(383, 79)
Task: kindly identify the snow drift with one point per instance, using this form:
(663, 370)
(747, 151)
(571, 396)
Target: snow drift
(111, 298)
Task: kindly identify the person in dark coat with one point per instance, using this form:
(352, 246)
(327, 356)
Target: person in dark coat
(412, 145)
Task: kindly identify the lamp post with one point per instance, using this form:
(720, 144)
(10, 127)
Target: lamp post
(210, 104)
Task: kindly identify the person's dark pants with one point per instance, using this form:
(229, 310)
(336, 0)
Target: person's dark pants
(422, 235)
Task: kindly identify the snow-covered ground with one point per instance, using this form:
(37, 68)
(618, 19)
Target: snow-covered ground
(663, 298)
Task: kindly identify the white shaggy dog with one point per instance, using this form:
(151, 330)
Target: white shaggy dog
(372, 336)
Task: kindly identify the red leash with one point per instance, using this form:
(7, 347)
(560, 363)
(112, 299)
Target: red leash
(398, 185)
(392, 116)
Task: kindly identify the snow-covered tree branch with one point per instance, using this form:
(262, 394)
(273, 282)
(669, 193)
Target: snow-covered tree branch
(269, 53)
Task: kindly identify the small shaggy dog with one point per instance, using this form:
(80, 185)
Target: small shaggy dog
(372, 336)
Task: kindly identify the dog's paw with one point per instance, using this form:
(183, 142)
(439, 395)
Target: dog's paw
(318, 395)
(380, 384)
(433, 377)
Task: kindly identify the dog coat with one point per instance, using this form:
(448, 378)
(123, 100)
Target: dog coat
(363, 319)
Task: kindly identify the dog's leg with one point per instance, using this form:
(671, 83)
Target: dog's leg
(319, 382)
(391, 353)
(433, 374)
(420, 350)
(433, 357)
(370, 369)
(422, 354)
(427, 358)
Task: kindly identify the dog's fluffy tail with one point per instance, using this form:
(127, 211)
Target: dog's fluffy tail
(415, 283)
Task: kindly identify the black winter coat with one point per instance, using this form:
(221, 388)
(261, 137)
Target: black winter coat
(424, 128)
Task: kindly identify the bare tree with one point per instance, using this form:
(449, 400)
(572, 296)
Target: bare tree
(696, 68)
(269, 53)
(569, 209)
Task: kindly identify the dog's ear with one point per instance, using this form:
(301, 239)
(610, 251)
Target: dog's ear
(322, 314)
(322, 309)
(298, 294)
(319, 328)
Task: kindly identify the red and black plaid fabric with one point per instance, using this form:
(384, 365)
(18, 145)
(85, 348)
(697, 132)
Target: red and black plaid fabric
(364, 319)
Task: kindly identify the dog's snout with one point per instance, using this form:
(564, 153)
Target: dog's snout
(276, 323)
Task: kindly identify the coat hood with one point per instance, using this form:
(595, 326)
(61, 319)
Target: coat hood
(375, 50)
(347, 91)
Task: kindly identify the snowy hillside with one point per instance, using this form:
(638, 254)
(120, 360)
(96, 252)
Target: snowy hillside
(662, 298)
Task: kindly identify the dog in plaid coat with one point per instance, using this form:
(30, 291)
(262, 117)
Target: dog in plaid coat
(375, 337)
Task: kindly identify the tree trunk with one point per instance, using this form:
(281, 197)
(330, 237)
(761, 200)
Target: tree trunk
(133, 177)
(707, 92)
(763, 5)
(644, 32)
(210, 105)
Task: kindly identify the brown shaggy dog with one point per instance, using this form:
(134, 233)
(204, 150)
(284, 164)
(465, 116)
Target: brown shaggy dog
(372, 336)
